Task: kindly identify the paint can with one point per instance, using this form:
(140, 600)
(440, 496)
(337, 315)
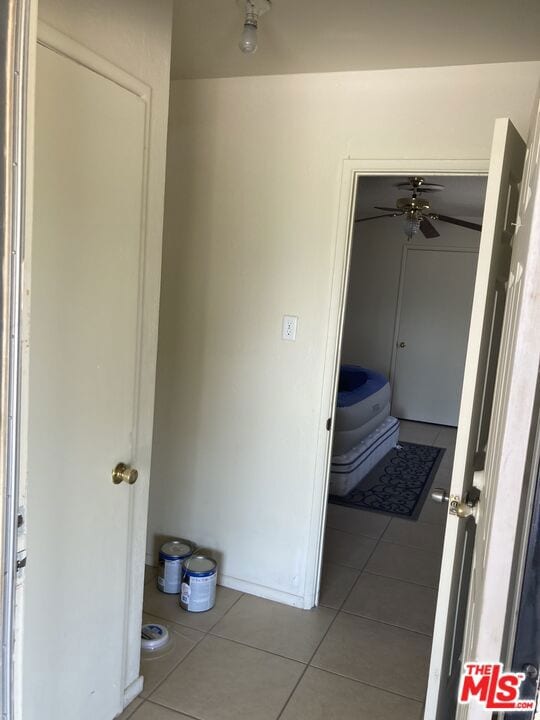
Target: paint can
(172, 555)
(199, 578)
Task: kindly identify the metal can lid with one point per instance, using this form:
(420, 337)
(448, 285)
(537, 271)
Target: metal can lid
(153, 636)
(200, 565)
(176, 549)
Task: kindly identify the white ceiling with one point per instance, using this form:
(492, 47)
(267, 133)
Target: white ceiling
(462, 197)
(299, 36)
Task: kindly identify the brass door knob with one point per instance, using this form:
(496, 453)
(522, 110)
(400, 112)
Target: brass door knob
(124, 473)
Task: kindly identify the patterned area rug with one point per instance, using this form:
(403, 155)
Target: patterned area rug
(398, 484)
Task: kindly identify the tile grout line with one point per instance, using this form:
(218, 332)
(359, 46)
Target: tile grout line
(254, 647)
(368, 684)
(393, 542)
(361, 570)
(411, 582)
(177, 712)
(226, 613)
(388, 624)
(371, 537)
(340, 610)
(209, 633)
(401, 580)
(308, 664)
(160, 683)
(205, 634)
(190, 627)
(390, 577)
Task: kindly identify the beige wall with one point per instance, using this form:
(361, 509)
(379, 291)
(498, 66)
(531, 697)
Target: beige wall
(254, 169)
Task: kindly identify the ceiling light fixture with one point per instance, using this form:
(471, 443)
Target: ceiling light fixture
(411, 223)
(253, 9)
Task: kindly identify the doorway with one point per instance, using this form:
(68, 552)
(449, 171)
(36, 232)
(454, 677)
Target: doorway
(406, 316)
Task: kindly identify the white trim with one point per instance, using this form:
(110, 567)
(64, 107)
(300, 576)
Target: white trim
(64, 45)
(134, 690)
(25, 334)
(262, 591)
(138, 494)
(352, 169)
(16, 134)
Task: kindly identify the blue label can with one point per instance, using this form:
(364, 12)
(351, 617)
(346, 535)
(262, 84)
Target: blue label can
(172, 555)
(199, 580)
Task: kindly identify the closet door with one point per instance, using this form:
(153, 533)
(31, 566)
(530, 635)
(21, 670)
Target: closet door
(85, 349)
(433, 324)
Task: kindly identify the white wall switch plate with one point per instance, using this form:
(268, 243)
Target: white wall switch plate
(288, 329)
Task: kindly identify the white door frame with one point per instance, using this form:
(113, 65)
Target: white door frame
(352, 170)
(18, 32)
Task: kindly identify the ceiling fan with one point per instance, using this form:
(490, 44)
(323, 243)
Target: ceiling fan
(416, 211)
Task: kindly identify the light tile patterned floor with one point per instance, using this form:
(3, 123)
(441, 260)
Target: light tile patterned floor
(362, 655)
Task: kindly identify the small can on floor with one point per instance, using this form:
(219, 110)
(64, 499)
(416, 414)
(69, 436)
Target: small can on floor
(172, 555)
(199, 579)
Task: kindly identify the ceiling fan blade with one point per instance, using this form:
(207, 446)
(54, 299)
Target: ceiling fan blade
(427, 229)
(456, 221)
(374, 217)
(394, 209)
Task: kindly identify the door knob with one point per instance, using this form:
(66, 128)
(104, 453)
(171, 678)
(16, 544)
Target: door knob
(402, 344)
(124, 473)
(439, 495)
(465, 507)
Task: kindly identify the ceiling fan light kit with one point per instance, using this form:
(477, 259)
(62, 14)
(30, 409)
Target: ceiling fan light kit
(411, 224)
(252, 9)
(416, 213)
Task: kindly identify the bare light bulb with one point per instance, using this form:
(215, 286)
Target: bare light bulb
(248, 39)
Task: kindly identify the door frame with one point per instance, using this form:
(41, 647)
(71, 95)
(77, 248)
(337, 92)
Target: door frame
(401, 283)
(352, 170)
(18, 19)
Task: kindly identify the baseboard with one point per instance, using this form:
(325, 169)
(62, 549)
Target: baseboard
(261, 591)
(134, 690)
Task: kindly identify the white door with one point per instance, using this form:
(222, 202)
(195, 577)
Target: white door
(509, 433)
(508, 151)
(85, 337)
(435, 308)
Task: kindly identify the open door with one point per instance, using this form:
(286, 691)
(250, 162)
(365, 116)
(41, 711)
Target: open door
(471, 488)
(510, 434)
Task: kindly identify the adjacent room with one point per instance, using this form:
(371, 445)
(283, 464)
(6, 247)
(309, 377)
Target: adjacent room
(404, 341)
